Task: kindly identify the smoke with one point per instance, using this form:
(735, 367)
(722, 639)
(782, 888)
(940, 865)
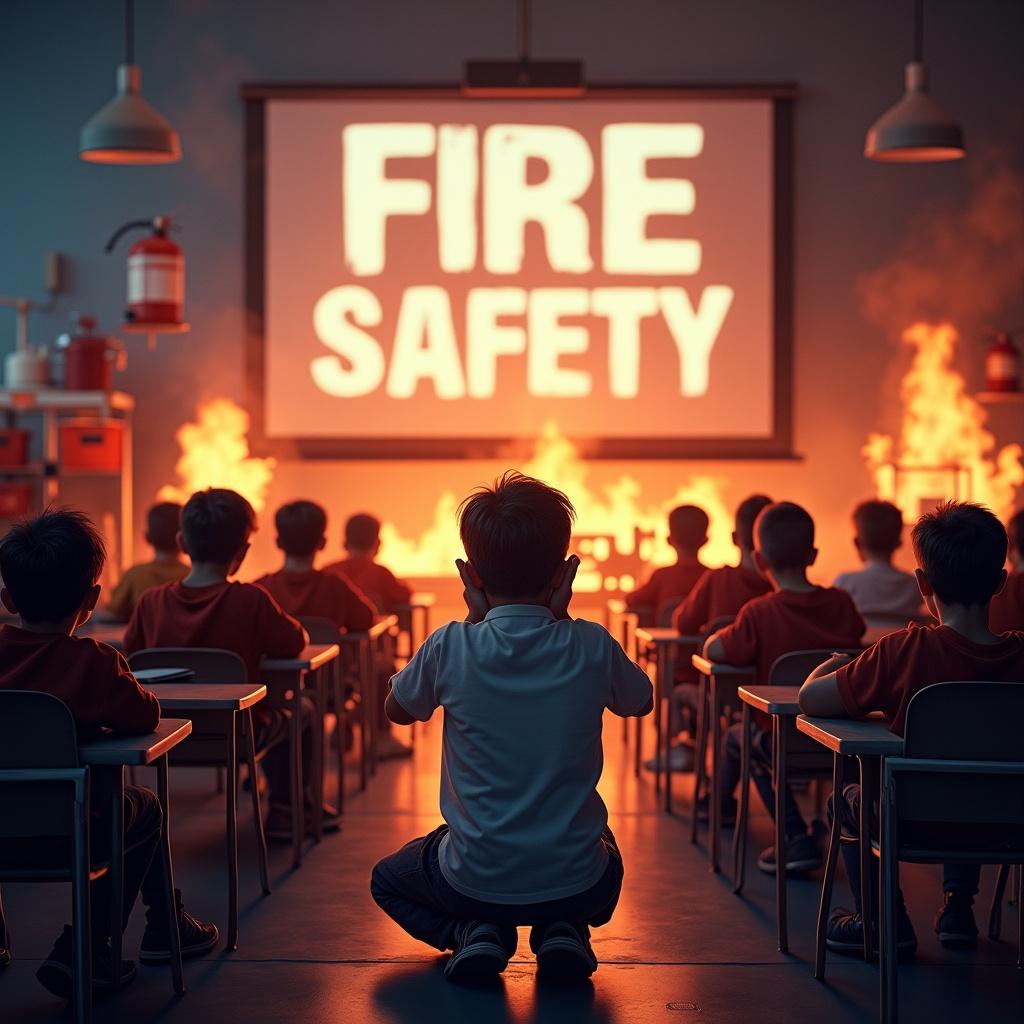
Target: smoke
(958, 263)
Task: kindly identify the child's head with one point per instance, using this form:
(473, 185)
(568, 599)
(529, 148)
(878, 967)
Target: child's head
(1015, 532)
(516, 535)
(784, 538)
(878, 529)
(961, 550)
(301, 528)
(50, 567)
(215, 527)
(362, 534)
(163, 524)
(688, 529)
(746, 516)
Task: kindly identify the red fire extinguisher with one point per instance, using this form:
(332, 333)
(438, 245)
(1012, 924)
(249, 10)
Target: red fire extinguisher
(156, 276)
(1002, 365)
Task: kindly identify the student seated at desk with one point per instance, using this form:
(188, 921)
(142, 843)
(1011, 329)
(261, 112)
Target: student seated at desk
(796, 616)
(524, 688)
(206, 610)
(376, 581)
(719, 593)
(960, 550)
(163, 524)
(50, 567)
(1007, 609)
(881, 592)
(669, 584)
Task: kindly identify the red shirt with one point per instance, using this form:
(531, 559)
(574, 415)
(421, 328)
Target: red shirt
(719, 592)
(1007, 609)
(239, 617)
(790, 620)
(669, 583)
(376, 581)
(887, 675)
(325, 595)
(93, 679)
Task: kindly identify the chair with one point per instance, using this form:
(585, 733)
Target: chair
(213, 745)
(803, 759)
(44, 792)
(962, 765)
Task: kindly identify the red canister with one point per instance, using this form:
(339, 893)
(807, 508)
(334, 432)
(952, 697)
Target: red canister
(90, 359)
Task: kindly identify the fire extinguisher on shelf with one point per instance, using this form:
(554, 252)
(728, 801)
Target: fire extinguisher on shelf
(1002, 365)
(156, 279)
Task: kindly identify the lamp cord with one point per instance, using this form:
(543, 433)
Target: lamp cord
(919, 31)
(129, 32)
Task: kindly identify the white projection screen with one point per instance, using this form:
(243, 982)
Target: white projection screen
(435, 275)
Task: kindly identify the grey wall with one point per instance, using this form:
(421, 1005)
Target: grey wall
(57, 61)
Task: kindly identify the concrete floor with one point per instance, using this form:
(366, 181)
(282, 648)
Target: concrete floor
(681, 946)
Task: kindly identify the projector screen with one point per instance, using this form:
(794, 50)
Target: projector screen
(438, 275)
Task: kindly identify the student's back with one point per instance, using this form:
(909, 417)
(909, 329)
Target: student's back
(1007, 608)
(670, 584)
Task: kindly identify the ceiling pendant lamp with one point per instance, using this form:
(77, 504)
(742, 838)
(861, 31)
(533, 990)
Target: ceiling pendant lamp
(916, 129)
(128, 130)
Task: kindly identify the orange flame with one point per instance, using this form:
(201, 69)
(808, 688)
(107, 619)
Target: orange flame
(614, 510)
(944, 450)
(215, 453)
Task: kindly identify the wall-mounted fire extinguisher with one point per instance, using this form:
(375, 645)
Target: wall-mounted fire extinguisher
(156, 278)
(1002, 365)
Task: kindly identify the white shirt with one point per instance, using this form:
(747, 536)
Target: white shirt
(883, 592)
(523, 695)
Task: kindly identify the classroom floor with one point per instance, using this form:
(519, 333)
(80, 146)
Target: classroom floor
(681, 946)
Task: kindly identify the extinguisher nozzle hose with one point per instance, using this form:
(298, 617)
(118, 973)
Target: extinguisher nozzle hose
(116, 236)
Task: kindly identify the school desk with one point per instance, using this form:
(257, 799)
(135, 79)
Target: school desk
(622, 623)
(414, 619)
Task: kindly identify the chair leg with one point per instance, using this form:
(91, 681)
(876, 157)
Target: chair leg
(231, 811)
(219, 781)
(638, 746)
(1020, 917)
(338, 693)
(5, 935)
(295, 750)
(163, 795)
(257, 811)
(80, 919)
(887, 932)
(779, 778)
(659, 757)
(739, 836)
(829, 876)
(995, 914)
(117, 880)
(700, 753)
(715, 801)
(869, 786)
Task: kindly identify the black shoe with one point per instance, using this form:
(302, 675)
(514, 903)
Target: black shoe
(56, 976)
(197, 937)
(729, 810)
(802, 855)
(845, 934)
(5, 958)
(954, 923)
(480, 953)
(565, 953)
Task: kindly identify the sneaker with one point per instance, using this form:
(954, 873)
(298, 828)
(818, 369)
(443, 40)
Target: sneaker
(565, 952)
(278, 824)
(954, 923)
(845, 934)
(479, 954)
(730, 808)
(680, 759)
(197, 937)
(802, 854)
(56, 976)
(390, 749)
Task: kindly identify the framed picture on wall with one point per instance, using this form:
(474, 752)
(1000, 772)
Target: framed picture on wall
(436, 275)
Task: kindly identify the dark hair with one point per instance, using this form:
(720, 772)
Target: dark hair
(961, 547)
(216, 523)
(516, 533)
(49, 563)
(163, 523)
(1015, 531)
(688, 526)
(746, 515)
(301, 526)
(785, 536)
(362, 531)
(879, 526)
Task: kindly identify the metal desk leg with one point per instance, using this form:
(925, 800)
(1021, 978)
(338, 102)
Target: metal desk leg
(779, 759)
(163, 795)
(298, 801)
(828, 879)
(665, 688)
(316, 783)
(232, 832)
(700, 753)
(739, 836)
(117, 877)
(659, 760)
(249, 738)
(870, 787)
(715, 810)
(638, 746)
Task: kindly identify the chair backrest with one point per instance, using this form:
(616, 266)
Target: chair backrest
(793, 668)
(716, 624)
(37, 735)
(320, 630)
(210, 664)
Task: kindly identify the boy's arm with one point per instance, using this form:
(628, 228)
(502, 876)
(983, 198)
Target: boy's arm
(736, 644)
(358, 611)
(692, 613)
(413, 695)
(819, 695)
(631, 693)
(127, 708)
(280, 635)
(645, 594)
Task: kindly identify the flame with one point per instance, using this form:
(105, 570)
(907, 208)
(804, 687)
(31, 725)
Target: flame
(215, 453)
(614, 511)
(944, 450)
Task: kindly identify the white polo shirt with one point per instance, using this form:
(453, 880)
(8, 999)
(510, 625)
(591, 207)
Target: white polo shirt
(523, 695)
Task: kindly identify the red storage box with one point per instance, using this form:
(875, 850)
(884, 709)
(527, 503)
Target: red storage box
(16, 501)
(90, 445)
(13, 447)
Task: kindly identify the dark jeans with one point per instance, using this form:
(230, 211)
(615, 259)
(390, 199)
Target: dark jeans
(761, 773)
(961, 879)
(271, 734)
(409, 887)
